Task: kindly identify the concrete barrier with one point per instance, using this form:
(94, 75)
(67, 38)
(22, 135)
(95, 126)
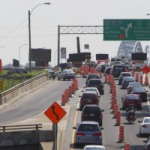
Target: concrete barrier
(22, 87)
(27, 135)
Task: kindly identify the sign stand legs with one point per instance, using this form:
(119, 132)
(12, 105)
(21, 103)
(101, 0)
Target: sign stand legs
(55, 136)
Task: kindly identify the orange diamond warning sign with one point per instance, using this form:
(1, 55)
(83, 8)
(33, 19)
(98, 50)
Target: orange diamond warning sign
(55, 112)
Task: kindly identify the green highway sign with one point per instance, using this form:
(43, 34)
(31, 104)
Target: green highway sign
(126, 29)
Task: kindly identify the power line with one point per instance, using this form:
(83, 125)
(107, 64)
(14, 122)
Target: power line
(13, 29)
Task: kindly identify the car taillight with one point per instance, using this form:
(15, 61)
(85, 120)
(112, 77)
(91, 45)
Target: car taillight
(97, 134)
(144, 126)
(80, 134)
(83, 115)
(101, 115)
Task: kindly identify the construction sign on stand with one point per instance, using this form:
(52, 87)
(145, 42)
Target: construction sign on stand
(146, 69)
(55, 112)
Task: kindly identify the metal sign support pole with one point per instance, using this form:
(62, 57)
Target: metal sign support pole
(55, 136)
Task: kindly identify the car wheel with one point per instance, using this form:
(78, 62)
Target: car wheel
(68, 78)
(58, 78)
(63, 79)
(140, 134)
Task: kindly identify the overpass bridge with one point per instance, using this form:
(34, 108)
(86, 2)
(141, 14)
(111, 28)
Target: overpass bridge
(126, 48)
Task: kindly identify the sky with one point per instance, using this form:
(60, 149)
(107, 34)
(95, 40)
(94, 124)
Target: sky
(46, 18)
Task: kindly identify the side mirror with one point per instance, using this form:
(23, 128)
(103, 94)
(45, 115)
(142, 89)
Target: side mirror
(79, 95)
(102, 128)
(144, 141)
(139, 121)
(102, 110)
(74, 128)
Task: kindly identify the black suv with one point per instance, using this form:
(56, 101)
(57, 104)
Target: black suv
(96, 83)
(92, 113)
(92, 76)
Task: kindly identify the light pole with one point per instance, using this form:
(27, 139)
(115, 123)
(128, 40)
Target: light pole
(29, 14)
(19, 50)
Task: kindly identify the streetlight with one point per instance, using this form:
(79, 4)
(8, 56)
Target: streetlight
(19, 50)
(29, 14)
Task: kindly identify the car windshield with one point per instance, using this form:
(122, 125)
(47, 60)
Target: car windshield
(88, 127)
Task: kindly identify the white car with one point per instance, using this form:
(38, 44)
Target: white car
(91, 89)
(94, 147)
(144, 126)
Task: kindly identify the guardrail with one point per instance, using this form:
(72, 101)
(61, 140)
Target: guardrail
(22, 87)
(20, 127)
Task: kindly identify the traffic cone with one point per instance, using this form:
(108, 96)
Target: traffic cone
(127, 146)
(118, 119)
(141, 79)
(121, 134)
(63, 100)
(133, 73)
(115, 109)
(137, 77)
(70, 91)
(146, 80)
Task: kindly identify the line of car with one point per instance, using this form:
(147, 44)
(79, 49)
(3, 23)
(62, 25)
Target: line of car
(89, 130)
(136, 95)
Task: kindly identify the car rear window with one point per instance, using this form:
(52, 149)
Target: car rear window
(94, 110)
(132, 97)
(95, 82)
(136, 90)
(96, 76)
(147, 120)
(129, 79)
(126, 75)
(88, 127)
(89, 96)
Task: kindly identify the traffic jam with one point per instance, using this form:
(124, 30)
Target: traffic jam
(129, 78)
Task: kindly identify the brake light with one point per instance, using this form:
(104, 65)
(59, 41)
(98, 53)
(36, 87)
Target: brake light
(144, 126)
(80, 134)
(83, 115)
(101, 115)
(97, 134)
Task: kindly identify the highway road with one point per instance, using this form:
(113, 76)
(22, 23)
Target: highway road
(33, 104)
(110, 131)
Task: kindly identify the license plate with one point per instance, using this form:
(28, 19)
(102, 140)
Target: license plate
(91, 114)
(89, 100)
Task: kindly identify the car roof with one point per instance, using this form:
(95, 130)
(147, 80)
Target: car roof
(92, 105)
(88, 122)
(94, 146)
(125, 73)
(89, 92)
(90, 88)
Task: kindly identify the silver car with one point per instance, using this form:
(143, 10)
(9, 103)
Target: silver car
(94, 147)
(91, 89)
(126, 81)
(88, 132)
(66, 74)
(132, 85)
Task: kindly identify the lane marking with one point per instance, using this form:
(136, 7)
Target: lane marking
(73, 131)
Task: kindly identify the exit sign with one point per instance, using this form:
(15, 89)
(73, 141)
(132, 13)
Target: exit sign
(126, 29)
